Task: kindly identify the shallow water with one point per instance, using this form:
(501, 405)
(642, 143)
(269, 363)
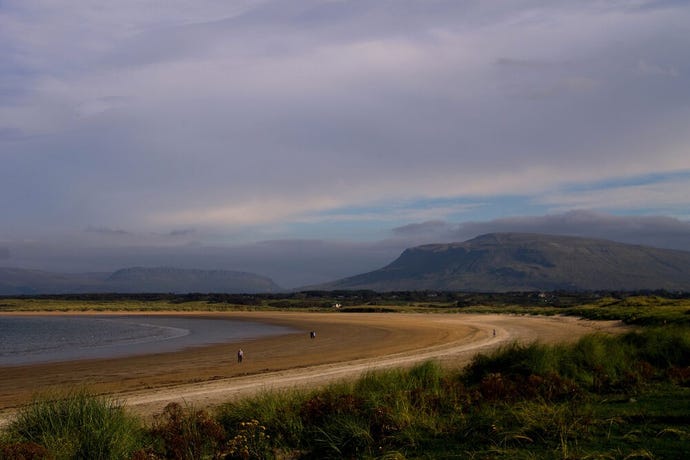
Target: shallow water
(31, 339)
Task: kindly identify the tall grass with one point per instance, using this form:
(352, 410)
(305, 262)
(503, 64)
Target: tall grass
(596, 362)
(351, 419)
(279, 411)
(78, 426)
(662, 347)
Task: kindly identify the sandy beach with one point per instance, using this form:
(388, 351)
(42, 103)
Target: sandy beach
(346, 345)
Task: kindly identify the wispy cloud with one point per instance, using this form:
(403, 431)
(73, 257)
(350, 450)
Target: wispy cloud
(645, 68)
(660, 193)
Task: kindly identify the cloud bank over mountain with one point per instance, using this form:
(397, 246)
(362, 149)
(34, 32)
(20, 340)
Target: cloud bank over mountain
(295, 263)
(247, 132)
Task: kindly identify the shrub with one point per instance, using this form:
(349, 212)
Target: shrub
(187, 434)
(250, 442)
(278, 412)
(679, 375)
(24, 451)
(323, 406)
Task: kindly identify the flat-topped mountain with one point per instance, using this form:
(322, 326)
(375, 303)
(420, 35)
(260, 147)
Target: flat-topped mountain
(16, 281)
(503, 262)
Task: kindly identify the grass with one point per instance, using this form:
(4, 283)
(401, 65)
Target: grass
(645, 310)
(77, 426)
(534, 407)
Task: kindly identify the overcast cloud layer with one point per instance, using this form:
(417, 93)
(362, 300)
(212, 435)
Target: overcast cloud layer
(311, 139)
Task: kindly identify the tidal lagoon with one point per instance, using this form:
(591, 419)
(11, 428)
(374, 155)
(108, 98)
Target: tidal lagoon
(42, 339)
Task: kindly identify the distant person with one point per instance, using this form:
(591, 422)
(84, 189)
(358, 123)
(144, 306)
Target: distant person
(494, 332)
(240, 355)
(312, 334)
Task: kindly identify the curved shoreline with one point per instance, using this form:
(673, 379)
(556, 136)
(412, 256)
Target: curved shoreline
(61, 338)
(340, 337)
(347, 344)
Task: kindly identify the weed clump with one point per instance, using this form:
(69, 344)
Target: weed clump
(186, 434)
(251, 441)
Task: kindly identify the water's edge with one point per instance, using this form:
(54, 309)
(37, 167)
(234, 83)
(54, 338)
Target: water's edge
(48, 339)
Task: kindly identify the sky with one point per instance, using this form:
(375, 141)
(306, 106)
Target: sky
(308, 140)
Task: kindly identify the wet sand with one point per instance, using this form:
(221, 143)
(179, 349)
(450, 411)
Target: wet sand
(346, 345)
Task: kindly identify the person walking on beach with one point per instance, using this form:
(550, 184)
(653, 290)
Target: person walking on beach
(312, 334)
(240, 355)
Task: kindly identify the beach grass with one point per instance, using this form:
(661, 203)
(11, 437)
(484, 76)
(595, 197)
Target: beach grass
(517, 402)
(77, 425)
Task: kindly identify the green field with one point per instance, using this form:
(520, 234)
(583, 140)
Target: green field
(633, 308)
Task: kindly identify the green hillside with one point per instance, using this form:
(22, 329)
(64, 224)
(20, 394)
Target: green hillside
(528, 262)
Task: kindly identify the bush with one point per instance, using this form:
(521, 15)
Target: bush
(251, 441)
(24, 451)
(277, 411)
(187, 434)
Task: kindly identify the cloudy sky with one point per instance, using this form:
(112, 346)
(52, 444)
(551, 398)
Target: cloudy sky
(313, 139)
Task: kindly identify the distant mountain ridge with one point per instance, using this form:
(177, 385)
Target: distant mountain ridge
(16, 281)
(496, 262)
(168, 279)
(501, 262)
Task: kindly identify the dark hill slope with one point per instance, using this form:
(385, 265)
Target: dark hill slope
(177, 280)
(528, 262)
(16, 281)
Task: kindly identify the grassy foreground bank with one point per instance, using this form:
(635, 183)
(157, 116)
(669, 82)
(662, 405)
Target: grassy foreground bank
(603, 397)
